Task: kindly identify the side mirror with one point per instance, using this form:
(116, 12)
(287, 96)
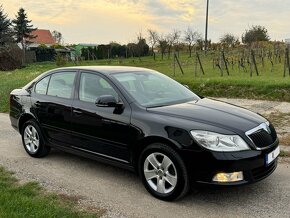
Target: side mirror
(107, 101)
(186, 86)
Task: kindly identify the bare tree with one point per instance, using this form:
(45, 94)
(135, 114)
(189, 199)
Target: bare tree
(170, 40)
(57, 36)
(229, 40)
(142, 48)
(163, 45)
(152, 40)
(191, 37)
(176, 35)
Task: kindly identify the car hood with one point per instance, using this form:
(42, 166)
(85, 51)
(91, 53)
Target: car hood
(214, 113)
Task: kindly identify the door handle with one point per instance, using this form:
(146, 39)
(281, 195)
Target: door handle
(77, 112)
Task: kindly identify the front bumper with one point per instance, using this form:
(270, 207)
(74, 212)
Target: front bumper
(204, 165)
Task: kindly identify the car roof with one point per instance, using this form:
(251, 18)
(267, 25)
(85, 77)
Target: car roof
(100, 69)
(108, 69)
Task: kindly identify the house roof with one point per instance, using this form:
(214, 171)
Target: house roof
(42, 37)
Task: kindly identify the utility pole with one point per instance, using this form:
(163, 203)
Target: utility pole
(206, 27)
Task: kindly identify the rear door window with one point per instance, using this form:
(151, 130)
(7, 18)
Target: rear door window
(61, 84)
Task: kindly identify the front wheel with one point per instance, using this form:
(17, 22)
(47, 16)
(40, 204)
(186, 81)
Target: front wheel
(33, 141)
(163, 172)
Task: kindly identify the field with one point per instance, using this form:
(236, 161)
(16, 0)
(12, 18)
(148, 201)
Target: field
(269, 85)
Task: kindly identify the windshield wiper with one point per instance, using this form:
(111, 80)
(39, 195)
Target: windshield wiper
(160, 105)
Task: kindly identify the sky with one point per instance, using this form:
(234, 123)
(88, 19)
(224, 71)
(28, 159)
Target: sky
(104, 21)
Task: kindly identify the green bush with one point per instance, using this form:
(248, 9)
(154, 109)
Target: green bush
(60, 60)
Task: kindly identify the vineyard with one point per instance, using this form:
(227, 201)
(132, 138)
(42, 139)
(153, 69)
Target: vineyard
(260, 72)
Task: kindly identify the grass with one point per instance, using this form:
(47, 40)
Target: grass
(284, 154)
(268, 85)
(30, 200)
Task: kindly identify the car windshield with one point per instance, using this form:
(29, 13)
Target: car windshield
(152, 89)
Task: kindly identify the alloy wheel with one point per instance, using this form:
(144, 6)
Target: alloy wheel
(160, 173)
(31, 139)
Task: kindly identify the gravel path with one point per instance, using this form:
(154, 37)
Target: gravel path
(260, 106)
(119, 193)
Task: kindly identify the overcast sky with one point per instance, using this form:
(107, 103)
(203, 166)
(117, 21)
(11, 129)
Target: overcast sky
(103, 21)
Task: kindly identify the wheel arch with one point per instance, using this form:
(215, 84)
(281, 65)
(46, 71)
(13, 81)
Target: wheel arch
(23, 119)
(142, 144)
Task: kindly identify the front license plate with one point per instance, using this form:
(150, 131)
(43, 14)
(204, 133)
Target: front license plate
(272, 155)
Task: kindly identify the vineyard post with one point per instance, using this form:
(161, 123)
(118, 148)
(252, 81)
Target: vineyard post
(272, 65)
(275, 53)
(175, 56)
(225, 62)
(174, 66)
(254, 62)
(251, 69)
(219, 65)
(262, 58)
(195, 66)
(198, 58)
(286, 63)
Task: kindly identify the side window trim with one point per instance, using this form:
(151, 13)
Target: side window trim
(48, 84)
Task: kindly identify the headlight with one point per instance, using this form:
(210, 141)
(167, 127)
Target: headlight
(218, 142)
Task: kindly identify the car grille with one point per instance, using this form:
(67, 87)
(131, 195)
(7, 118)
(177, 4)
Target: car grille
(262, 172)
(263, 139)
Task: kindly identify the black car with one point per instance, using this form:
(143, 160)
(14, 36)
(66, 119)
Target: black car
(142, 120)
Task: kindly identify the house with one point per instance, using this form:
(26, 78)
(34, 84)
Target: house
(43, 37)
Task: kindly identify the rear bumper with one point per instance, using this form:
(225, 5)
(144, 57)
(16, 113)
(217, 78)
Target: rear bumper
(14, 122)
(203, 166)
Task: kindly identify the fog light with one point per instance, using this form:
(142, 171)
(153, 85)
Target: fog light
(228, 177)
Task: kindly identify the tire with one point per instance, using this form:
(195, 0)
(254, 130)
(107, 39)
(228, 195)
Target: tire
(32, 140)
(163, 172)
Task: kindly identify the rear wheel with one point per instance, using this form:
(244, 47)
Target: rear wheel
(163, 172)
(33, 141)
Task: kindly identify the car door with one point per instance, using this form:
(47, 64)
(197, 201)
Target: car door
(100, 130)
(51, 104)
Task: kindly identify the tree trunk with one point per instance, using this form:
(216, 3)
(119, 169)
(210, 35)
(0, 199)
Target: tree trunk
(23, 55)
(152, 50)
(190, 50)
